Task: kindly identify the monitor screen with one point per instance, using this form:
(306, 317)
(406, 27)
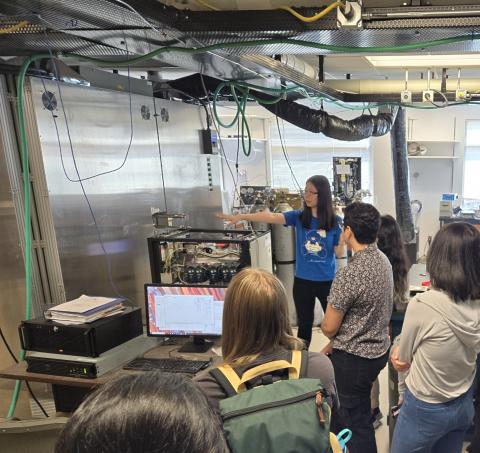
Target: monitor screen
(184, 310)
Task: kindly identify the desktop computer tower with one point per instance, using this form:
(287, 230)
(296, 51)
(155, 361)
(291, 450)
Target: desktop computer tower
(88, 340)
(208, 257)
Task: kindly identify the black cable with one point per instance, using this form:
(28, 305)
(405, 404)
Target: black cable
(155, 115)
(35, 399)
(160, 154)
(68, 129)
(286, 156)
(8, 346)
(26, 382)
(80, 180)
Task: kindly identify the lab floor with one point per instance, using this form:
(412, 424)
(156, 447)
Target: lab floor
(381, 433)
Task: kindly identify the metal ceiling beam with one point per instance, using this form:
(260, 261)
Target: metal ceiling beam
(107, 29)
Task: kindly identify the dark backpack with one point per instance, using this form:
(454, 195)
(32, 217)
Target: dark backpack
(268, 413)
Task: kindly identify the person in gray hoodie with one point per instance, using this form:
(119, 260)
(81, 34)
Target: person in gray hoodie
(439, 344)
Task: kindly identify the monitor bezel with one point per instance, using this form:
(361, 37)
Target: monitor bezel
(172, 285)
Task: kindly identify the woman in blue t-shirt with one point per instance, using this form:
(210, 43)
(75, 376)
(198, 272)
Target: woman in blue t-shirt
(318, 242)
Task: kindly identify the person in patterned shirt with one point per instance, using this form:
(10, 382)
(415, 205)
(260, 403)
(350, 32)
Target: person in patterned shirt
(358, 313)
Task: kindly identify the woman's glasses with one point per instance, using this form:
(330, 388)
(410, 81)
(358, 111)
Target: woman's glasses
(308, 192)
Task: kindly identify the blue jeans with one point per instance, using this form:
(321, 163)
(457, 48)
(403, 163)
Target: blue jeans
(437, 428)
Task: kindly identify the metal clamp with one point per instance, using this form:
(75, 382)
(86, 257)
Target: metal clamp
(351, 16)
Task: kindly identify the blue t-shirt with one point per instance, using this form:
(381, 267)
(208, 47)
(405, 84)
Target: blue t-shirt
(314, 251)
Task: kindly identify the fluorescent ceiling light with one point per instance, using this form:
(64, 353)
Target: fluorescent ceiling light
(424, 61)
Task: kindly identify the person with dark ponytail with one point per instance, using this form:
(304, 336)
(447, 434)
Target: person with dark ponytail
(318, 243)
(390, 242)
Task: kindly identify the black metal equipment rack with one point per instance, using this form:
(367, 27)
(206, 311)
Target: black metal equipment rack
(198, 236)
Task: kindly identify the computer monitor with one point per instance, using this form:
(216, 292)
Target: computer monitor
(194, 311)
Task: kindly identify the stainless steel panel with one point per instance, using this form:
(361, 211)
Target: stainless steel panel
(97, 141)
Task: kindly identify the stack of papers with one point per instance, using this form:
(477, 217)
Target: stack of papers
(84, 309)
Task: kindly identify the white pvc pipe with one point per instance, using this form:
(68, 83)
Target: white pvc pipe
(394, 86)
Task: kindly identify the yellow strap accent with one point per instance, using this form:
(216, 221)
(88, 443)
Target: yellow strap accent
(294, 373)
(265, 368)
(335, 444)
(239, 383)
(232, 377)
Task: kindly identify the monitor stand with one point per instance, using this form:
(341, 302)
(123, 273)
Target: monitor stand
(198, 345)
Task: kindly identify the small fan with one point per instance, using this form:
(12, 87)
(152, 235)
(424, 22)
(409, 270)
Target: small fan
(414, 149)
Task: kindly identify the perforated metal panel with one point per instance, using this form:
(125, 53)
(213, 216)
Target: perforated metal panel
(105, 28)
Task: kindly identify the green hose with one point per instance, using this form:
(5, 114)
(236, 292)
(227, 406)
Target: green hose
(284, 41)
(27, 209)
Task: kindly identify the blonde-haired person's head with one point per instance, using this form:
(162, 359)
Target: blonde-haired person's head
(255, 317)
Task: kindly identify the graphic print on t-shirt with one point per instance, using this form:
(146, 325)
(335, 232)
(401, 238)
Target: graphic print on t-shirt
(315, 246)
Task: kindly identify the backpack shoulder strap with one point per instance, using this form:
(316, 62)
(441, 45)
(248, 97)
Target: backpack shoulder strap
(232, 383)
(225, 380)
(303, 366)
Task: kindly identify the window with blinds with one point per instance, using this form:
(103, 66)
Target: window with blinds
(312, 154)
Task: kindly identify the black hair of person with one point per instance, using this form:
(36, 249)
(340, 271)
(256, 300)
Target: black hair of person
(453, 261)
(144, 413)
(364, 221)
(326, 217)
(390, 242)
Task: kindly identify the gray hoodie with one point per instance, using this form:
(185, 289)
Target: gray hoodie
(441, 340)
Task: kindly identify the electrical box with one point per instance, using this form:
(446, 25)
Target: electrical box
(209, 257)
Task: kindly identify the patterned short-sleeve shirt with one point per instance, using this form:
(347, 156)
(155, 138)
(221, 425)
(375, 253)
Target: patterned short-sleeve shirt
(364, 292)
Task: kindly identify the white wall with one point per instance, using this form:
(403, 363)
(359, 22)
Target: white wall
(442, 131)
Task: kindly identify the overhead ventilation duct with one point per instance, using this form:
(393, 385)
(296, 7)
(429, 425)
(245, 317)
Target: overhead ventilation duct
(400, 177)
(317, 121)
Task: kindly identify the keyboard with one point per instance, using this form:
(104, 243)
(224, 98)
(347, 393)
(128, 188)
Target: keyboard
(169, 365)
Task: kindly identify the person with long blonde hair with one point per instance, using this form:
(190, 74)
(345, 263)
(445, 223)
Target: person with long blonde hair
(256, 330)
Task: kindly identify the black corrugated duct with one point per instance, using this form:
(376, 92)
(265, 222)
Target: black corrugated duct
(400, 177)
(317, 121)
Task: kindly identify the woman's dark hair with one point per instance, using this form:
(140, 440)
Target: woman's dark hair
(453, 261)
(325, 212)
(147, 413)
(390, 242)
(364, 220)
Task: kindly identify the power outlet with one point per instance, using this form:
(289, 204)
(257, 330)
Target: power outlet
(406, 97)
(427, 96)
